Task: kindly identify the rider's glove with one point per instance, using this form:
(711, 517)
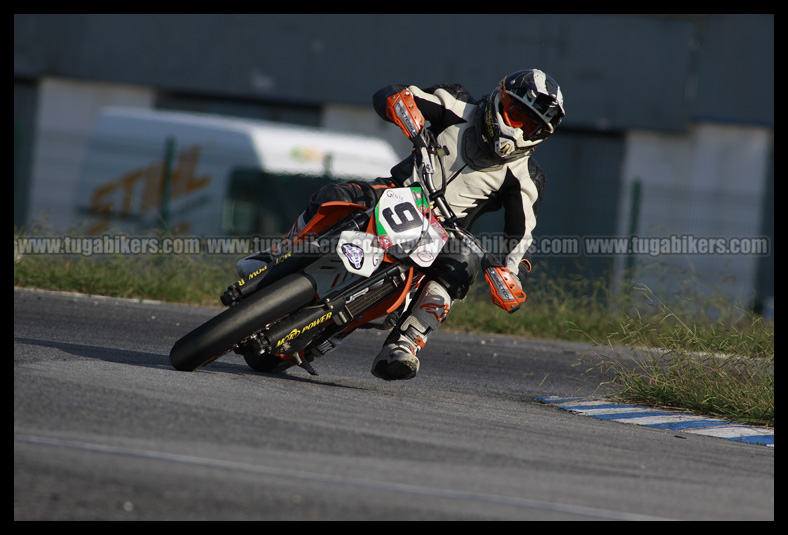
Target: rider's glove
(402, 110)
(523, 269)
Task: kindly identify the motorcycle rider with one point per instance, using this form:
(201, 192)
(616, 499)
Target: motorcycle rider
(489, 166)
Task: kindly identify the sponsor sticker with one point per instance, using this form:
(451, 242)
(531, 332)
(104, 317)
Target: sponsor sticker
(354, 254)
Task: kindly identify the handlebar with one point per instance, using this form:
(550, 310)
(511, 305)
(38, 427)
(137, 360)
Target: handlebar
(426, 150)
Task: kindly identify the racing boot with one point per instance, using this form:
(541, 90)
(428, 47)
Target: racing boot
(254, 262)
(397, 360)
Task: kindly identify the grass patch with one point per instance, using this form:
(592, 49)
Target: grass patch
(710, 360)
(737, 389)
(178, 278)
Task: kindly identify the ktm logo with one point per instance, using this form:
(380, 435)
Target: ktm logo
(439, 311)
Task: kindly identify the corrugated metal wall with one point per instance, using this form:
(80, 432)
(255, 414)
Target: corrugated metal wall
(618, 71)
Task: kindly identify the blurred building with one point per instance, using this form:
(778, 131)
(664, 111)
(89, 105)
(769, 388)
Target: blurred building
(669, 132)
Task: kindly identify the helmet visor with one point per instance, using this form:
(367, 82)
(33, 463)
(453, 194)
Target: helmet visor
(518, 115)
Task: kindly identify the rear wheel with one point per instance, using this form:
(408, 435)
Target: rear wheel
(219, 334)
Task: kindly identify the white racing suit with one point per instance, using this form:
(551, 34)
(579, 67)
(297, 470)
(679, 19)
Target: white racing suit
(476, 182)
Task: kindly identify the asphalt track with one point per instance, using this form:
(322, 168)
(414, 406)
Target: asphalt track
(105, 429)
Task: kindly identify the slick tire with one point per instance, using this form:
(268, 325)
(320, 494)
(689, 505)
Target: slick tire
(266, 363)
(218, 335)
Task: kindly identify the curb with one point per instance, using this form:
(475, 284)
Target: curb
(662, 419)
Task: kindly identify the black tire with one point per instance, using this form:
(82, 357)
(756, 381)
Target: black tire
(267, 363)
(218, 335)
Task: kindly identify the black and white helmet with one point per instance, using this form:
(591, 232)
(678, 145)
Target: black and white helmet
(525, 108)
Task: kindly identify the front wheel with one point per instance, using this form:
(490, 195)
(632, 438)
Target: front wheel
(219, 334)
(267, 363)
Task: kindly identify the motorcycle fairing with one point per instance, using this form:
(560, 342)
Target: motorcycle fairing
(327, 214)
(360, 252)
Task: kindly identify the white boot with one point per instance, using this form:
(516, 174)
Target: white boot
(254, 262)
(397, 360)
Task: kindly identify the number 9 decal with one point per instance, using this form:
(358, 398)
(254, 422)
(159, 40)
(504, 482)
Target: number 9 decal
(403, 217)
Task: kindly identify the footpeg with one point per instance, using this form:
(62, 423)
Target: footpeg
(308, 367)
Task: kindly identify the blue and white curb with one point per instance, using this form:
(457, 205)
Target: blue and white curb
(661, 419)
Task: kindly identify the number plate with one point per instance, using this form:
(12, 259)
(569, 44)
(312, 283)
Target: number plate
(404, 218)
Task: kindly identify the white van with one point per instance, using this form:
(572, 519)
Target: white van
(207, 175)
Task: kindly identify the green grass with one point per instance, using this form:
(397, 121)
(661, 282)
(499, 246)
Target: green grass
(722, 367)
(193, 279)
(707, 356)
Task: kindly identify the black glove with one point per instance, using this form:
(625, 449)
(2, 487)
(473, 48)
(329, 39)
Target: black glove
(523, 269)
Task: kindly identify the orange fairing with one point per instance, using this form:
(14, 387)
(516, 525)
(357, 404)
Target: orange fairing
(328, 214)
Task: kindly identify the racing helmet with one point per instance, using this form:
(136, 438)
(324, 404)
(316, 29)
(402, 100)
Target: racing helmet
(523, 110)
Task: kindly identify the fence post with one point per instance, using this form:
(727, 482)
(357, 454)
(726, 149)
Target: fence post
(166, 182)
(634, 216)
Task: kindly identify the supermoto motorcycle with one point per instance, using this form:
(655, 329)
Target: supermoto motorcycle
(351, 267)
